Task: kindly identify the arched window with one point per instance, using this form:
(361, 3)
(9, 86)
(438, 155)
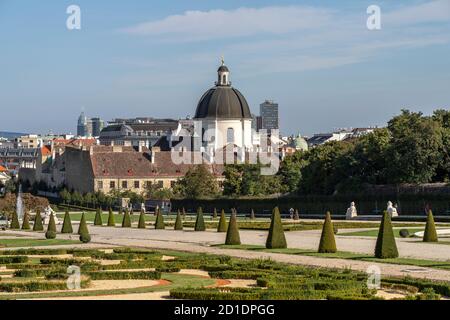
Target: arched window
(230, 135)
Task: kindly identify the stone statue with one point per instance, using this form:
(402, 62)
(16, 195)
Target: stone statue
(143, 207)
(47, 214)
(351, 212)
(392, 211)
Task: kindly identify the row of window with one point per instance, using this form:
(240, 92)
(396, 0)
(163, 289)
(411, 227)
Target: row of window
(135, 184)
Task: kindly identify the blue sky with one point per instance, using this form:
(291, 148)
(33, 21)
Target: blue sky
(156, 58)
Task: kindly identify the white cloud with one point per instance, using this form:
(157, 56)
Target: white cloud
(433, 11)
(204, 25)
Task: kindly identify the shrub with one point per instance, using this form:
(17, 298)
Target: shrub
(276, 238)
(404, 233)
(38, 226)
(179, 222)
(15, 221)
(50, 235)
(85, 237)
(126, 222)
(141, 224)
(200, 222)
(26, 222)
(98, 218)
(386, 247)
(222, 227)
(159, 224)
(430, 234)
(67, 224)
(14, 259)
(327, 242)
(83, 226)
(51, 224)
(111, 222)
(252, 215)
(233, 237)
(125, 275)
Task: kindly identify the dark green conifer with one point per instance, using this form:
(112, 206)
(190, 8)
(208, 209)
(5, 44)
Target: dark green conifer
(179, 222)
(386, 247)
(98, 218)
(233, 237)
(67, 224)
(430, 234)
(111, 222)
(223, 227)
(327, 241)
(38, 226)
(200, 222)
(276, 238)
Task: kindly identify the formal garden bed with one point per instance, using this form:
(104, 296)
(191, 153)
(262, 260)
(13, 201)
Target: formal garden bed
(42, 273)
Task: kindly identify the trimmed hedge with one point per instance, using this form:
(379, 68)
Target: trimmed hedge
(125, 275)
(179, 222)
(98, 218)
(141, 224)
(26, 222)
(67, 224)
(327, 242)
(111, 222)
(159, 223)
(276, 238)
(200, 222)
(15, 225)
(126, 222)
(36, 286)
(233, 237)
(38, 226)
(430, 234)
(82, 228)
(222, 227)
(386, 247)
(13, 259)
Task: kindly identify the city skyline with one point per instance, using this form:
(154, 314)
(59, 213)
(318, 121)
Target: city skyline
(134, 60)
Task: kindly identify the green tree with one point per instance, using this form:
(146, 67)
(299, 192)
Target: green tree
(276, 238)
(222, 227)
(111, 222)
(290, 171)
(83, 225)
(200, 222)
(327, 242)
(37, 226)
(67, 224)
(98, 218)
(430, 234)
(386, 247)
(141, 224)
(26, 222)
(199, 182)
(233, 237)
(159, 224)
(179, 222)
(126, 222)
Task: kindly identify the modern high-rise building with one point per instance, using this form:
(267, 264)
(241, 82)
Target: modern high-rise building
(88, 127)
(269, 115)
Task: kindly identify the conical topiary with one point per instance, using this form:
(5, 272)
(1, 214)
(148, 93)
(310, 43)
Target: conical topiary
(223, 227)
(327, 242)
(83, 225)
(67, 224)
(430, 234)
(184, 213)
(386, 246)
(111, 222)
(276, 238)
(215, 214)
(252, 215)
(200, 222)
(38, 226)
(141, 224)
(15, 221)
(51, 228)
(98, 218)
(126, 221)
(179, 222)
(296, 215)
(159, 223)
(233, 237)
(26, 222)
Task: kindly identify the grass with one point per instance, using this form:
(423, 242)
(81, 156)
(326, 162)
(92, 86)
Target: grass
(347, 255)
(176, 281)
(374, 233)
(13, 243)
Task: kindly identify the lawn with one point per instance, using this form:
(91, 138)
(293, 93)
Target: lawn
(346, 255)
(374, 232)
(12, 243)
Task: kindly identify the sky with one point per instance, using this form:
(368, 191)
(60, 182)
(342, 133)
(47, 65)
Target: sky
(317, 59)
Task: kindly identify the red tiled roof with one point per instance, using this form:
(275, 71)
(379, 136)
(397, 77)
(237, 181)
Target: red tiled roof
(131, 163)
(46, 150)
(3, 169)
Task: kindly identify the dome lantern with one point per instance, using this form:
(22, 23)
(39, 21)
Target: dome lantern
(223, 75)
